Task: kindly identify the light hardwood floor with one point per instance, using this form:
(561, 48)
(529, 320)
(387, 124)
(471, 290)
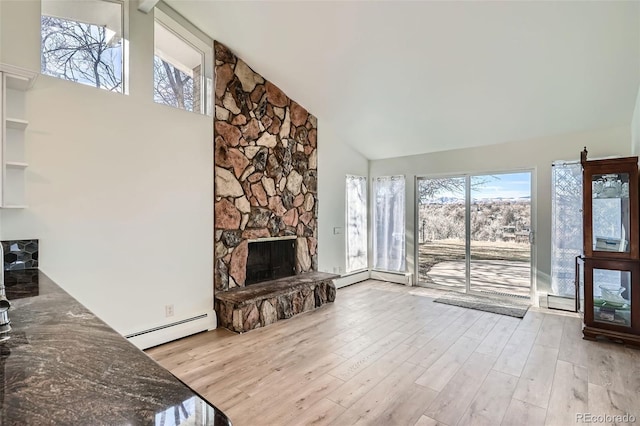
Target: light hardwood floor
(385, 354)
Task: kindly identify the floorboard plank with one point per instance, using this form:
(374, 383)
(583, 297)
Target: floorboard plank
(444, 368)
(498, 337)
(353, 389)
(386, 398)
(491, 402)
(573, 348)
(551, 331)
(514, 356)
(522, 413)
(451, 403)
(568, 395)
(603, 401)
(428, 421)
(321, 413)
(364, 358)
(536, 379)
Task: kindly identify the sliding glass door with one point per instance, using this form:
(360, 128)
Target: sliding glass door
(441, 232)
(500, 248)
(474, 233)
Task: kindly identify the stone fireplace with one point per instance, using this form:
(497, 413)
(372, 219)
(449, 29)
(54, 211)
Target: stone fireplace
(266, 201)
(265, 170)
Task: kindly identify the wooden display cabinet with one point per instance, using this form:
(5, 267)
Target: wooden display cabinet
(611, 250)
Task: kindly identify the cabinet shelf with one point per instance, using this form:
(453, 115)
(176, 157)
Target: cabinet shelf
(15, 206)
(17, 82)
(16, 123)
(16, 164)
(18, 78)
(613, 197)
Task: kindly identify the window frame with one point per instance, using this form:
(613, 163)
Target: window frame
(124, 22)
(176, 24)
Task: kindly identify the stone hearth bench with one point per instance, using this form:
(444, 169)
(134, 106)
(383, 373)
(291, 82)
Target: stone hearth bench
(245, 308)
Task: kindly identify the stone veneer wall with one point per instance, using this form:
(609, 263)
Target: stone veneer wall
(265, 169)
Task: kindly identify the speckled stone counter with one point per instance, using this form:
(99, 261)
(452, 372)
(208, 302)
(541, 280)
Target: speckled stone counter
(63, 365)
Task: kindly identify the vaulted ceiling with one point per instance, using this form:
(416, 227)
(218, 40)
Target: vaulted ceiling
(399, 78)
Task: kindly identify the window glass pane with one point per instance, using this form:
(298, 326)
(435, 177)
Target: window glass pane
(177, 71)
(389, 223)
(82, 42)
(612, 296)
(356, 223)
(610, 211)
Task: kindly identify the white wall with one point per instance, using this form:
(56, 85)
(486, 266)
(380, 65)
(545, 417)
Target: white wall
(335, 161)
(535, 154)
(120, 189)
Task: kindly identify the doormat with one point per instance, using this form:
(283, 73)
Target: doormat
(497, 306)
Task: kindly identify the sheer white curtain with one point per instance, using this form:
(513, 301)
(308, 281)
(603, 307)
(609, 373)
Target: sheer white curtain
(566, 225)
(389, 223)
(356, 223)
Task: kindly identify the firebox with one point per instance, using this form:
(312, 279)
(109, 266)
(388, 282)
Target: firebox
(270, 260)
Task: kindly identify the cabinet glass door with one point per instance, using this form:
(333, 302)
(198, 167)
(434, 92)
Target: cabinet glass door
(610, 212)
(612, 297)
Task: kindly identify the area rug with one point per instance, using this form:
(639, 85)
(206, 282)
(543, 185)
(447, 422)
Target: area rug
(488, 304)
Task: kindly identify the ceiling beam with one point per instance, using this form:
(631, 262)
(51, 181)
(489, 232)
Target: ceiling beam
(146, 5)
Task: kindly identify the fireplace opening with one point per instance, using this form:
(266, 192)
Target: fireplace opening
(270, 260)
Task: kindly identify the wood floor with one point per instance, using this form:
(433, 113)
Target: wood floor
(385, 354)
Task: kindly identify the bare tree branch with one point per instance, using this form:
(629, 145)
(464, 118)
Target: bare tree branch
(172, 86)
(79, 52)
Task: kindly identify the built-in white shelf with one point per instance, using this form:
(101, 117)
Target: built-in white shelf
(17, 82)
(16, 123)
(14, 82)
(16, 164)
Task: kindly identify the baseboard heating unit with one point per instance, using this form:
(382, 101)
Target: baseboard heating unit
(561, 303)
(167, 332)
(349, 279)
(405, 278)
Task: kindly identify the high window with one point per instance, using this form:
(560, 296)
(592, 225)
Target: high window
(83, 41)
(181, 69)
(389, 223)
(356, 223)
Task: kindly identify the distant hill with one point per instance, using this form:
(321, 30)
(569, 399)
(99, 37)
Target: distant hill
(455, 200)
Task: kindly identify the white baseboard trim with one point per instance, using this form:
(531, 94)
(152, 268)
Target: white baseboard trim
(405, 278)
(172, 331)
(351, 279)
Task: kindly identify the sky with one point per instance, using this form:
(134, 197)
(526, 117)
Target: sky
(507, 185)
(512, 185)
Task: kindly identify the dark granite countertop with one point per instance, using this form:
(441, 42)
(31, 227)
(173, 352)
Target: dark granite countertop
(63, 365)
